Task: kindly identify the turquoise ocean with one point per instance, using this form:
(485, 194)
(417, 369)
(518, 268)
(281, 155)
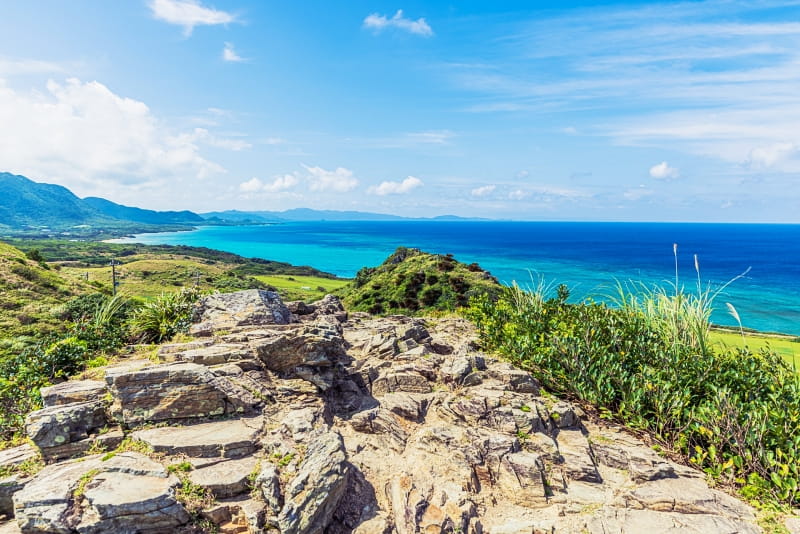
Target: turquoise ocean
(588, 257)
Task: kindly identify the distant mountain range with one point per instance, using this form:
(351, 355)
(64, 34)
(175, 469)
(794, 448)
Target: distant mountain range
(31, 207)
(307, 214)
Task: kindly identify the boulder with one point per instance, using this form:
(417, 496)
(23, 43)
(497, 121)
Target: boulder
(126, 493)
(173, 392)
(73, 391)
(312, 495)
(309, 345)
(225, 311)
(56, 428)
(225, 478)
(330, 305)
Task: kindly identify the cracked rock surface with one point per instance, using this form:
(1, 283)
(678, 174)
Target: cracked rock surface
(300, 419)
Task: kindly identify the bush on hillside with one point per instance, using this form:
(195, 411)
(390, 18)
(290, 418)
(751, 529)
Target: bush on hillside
(161, 318)
(733, 413)
(411, 281)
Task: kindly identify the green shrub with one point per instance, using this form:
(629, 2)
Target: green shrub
(648, 364)
(162, 317)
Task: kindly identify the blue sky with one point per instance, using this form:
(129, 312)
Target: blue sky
(565, 111)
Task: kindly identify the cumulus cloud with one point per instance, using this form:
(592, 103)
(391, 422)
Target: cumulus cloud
(378, 23)
(277, 185)
(663, 171)
(764, 157)
(188, 14)
(483, 190)
(83, 133)
(230, 55)
(396, 188)
(340, 180)
(518, 194)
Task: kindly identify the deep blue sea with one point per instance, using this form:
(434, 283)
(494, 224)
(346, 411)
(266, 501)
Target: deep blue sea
(588, 257)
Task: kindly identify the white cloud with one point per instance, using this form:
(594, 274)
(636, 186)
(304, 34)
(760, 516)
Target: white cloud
(638, 193)
(663, 171)
(230, 55)
(236, 145)
(396, 188)
(277, 185)
(381, 22)
(483, 190)
(340, 180)
(12, 67)
(188, 14)
(251, 186)
(518, 194)
(439, 137)
(764, 157)
(86, 136)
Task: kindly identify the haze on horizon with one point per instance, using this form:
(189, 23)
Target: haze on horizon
(625, 111)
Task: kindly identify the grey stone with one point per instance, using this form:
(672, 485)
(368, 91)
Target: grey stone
(17, 455)
(127, 493)
(407, 381)
(233, 438)
(313, 494)
(269, 484)
(54, 429)
(168, 392)
(212, 355)
(8, 487)
(73, 391)
(251, 307)
(406, 405)
(309, 345)
(226, 478)
(563, 414)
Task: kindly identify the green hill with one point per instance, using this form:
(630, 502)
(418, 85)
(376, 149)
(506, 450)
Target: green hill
(36, 209)
(29, 203)
(29, 292)
(128, 213)
(412, 281)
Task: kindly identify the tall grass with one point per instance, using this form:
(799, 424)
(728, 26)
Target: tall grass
(647, 361)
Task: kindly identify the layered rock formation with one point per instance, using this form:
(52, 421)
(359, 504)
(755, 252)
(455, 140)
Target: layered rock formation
(301, 420)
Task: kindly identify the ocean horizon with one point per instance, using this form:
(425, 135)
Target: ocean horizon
(589, 257)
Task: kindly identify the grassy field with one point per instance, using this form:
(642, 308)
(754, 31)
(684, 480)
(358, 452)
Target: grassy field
(786, 346)
(150, 276)
(306, 288)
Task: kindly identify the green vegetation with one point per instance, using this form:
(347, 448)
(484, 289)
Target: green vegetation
(305, 288)
(29, 291)
(411, 281)
(651, 364)
(55, 323)
(788, 347)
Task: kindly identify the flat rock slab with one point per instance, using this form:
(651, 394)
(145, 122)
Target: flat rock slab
(17, 455)
(233, 438)
(73, 391)
(243, 308)
(127, 492)
(212, 355)
(166, 392)
(226, 478)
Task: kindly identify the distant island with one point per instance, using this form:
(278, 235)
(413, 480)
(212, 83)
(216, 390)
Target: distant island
(35, 209)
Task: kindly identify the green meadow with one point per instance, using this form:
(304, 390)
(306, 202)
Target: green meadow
(787, 347)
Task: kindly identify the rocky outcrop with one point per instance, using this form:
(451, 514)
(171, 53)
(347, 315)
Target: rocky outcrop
(337, 424)
(225, 311)
(127, 492)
